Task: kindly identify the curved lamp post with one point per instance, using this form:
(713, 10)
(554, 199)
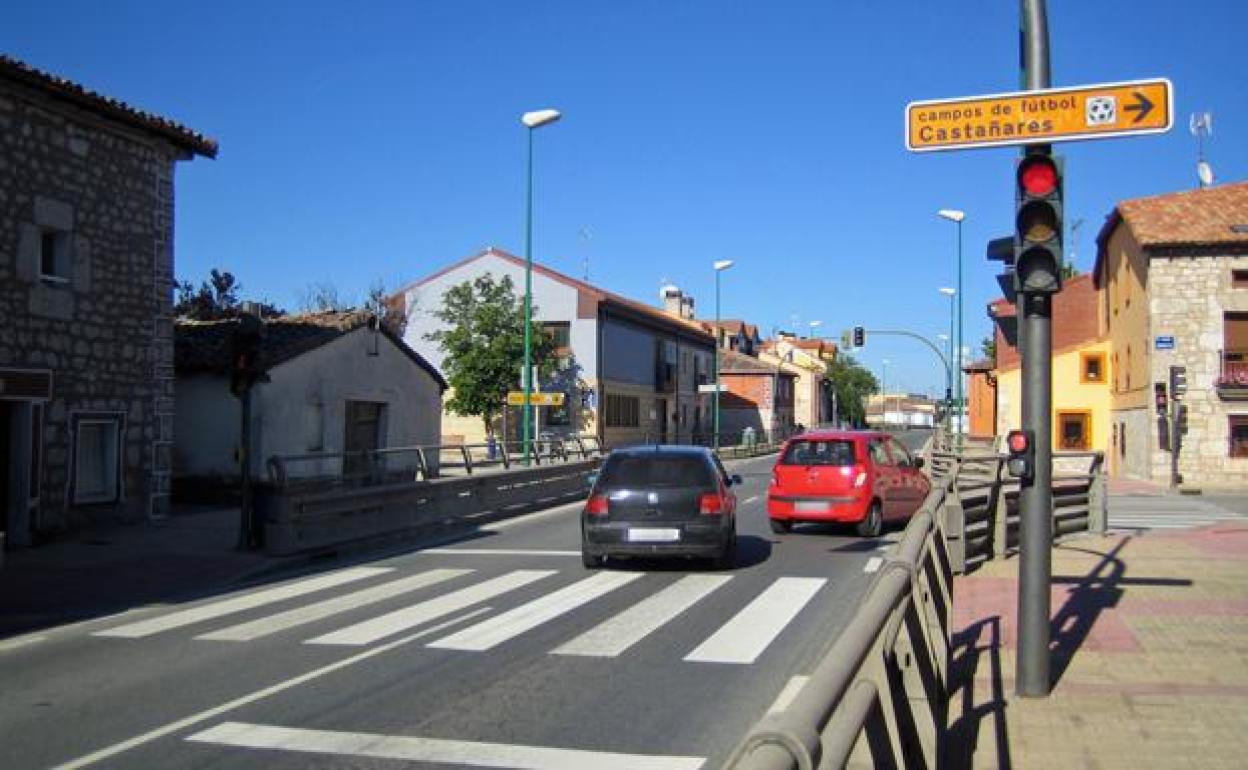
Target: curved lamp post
(720, 266)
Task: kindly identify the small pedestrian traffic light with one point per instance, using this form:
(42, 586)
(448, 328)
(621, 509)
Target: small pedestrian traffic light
(1159, 397)
(1178, 382)
(1022, 458)
(245, 368)
(860, 336)
(1038, 224)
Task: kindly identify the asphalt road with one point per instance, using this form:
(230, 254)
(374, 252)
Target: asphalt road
(497, 650)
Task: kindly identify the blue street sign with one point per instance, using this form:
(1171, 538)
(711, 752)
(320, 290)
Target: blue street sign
(1164, 343)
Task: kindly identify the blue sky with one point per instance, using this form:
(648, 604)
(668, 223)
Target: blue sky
(380, 141)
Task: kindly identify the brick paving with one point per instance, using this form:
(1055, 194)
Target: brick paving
(1149, 657)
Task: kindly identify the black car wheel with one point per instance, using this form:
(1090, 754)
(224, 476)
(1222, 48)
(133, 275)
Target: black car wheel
(590, 560)
(873, 524)
(780, 527)
(728, 556)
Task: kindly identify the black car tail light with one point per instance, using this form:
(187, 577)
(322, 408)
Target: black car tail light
(596, 505)
(711, 503)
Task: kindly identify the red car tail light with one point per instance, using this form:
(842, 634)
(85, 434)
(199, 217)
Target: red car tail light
(711, 503)
(596, 505)
(861, 476)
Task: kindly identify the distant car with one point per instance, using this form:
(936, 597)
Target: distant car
(864, 478)
(660, 501)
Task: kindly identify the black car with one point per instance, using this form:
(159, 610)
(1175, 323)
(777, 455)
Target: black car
(660, 501)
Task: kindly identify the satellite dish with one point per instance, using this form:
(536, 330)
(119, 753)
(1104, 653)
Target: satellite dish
(1205, 172)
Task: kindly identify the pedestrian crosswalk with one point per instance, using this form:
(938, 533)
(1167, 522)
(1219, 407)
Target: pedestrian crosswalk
(522, 600)
(1166, 512)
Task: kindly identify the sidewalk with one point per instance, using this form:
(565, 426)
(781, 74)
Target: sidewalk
(111, 568)
(1149, 657)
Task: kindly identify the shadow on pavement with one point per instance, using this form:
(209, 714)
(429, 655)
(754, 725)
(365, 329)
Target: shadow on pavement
(966, 715)
(751, 550)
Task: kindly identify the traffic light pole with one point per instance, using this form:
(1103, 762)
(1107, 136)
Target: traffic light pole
(1036, 494)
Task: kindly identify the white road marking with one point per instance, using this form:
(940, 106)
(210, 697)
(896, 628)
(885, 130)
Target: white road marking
(873, 564)
(529, 517)
(239, 603)
(743, 639)
(751, 499)
(245, 632)
(21, 641)
(526, 617)
(497, 552)
(786, 696)
(182, 724)
(401, 620)
(434, 750)
(616, 635)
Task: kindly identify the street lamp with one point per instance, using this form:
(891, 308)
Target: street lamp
(884, 393)
(955, 216)
(720, 266)
(531, 120)
(814, 325)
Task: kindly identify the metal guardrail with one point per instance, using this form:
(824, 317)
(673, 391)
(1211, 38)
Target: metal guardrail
(885, 678)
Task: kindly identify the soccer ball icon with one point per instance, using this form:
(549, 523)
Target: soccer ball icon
(1102, 110)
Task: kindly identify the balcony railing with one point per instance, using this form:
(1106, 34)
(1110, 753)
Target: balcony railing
(1232, 383)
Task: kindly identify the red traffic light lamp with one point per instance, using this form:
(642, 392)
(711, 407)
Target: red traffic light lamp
(1038, 224)
(1022, 459)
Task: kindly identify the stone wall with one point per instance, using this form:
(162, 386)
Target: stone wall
(103, 328)
(1188, 296)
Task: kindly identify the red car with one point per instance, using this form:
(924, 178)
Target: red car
(865, 478)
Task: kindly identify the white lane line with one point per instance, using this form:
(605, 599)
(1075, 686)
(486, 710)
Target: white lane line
(21, 641)
(743, 639)
(786, 696)
(873, 564)
(409, 617)
(616, 635)
(239, 603)
(497, 552)
(216, 711)
(245, 632)
(751, 499)
(434, 750)
(526, 617)
(531, 517)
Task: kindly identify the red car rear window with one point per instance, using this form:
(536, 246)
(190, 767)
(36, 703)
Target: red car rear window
(838, 452)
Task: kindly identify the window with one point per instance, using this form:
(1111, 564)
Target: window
(1074, 431)
(1238, 433)
(900, 453)
(97, 468)
(623, 411)
(879, 455)
(54, 256)
(561, 333)
(557, 416)
(836, 452)
(1092, 367)
(1239, 279)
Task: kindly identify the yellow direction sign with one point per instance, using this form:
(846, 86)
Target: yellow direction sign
(516, 398)
(1102, 111)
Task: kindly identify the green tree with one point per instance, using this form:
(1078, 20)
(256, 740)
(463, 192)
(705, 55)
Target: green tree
(989, 346)
(852, 384)
(484, 345)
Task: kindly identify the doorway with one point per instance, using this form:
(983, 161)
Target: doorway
(362, 433)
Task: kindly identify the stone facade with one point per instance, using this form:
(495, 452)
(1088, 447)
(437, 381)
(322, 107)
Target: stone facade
(1188, 299)
(86, 280)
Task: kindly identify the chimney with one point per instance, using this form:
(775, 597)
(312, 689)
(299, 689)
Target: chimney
(673, 300)
(686, 307)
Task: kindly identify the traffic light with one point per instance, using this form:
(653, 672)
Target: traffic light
(1038, 224)
(1159, 397)
(860, 336)
(1022, 460)
(245, 369)
(1178, 382)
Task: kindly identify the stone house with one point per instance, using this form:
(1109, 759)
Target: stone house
(338, 382)
(1172, 280)
(86, 284)
(809, 360)
(630, 372)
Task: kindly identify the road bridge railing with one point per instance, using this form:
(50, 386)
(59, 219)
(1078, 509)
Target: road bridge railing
(880, 694)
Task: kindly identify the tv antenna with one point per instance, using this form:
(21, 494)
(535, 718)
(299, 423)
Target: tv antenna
(1201, 126)
(586, 235)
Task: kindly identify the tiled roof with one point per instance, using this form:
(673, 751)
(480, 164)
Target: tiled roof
(61, 88)
(602, 295)
(1192, 217)
(732, 362)
(204, 346)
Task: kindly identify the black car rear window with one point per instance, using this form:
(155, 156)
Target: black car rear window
(657, 470)
(820, 452)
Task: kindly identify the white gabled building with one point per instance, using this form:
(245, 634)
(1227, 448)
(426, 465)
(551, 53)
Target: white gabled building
(635, 368)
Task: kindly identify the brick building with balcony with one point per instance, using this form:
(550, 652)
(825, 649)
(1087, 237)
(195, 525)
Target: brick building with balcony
(86, 290)
(1172, 281)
